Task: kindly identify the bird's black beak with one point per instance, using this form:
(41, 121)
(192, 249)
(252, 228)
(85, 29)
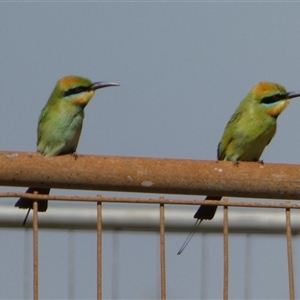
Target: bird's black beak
(100, 85)
(291, 95)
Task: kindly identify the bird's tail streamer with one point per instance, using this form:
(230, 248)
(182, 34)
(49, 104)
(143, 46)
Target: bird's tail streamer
(189, 237)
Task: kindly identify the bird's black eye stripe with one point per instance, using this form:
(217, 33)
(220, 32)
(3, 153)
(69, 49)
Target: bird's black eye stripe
(273, 98)
(75, 90)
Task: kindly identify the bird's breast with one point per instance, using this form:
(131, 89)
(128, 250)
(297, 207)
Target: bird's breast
(60, 133)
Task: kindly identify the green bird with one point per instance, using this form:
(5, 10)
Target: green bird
(60, 124)
(249, 130)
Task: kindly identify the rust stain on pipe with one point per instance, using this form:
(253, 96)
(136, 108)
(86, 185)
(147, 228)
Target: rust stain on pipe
(151, 175)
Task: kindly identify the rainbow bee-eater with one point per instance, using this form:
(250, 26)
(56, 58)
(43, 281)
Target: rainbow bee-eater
(60, 124)
(249, 130)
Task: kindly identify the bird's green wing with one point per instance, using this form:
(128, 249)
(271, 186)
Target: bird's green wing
(44, 116)
(228, 135)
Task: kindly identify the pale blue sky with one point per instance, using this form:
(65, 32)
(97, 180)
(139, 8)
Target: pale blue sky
(183, 68)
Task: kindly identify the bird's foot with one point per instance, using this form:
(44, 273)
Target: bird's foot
(235, 163)
(75, 155)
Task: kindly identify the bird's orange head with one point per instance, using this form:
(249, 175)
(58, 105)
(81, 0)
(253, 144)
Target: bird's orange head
(272, 96)
(77, 90)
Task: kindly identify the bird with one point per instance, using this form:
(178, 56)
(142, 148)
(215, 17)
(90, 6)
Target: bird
(249, 130)
(60, 124)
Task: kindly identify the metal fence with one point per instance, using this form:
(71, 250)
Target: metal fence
(165, 176)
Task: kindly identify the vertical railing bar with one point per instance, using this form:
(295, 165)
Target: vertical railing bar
(99, 250)
(225, 237)
(162, 251)
(289, 252)
(35, 249)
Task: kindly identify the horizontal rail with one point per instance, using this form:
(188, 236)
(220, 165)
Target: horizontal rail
(160, 200)
(147, 219)
(151, 175)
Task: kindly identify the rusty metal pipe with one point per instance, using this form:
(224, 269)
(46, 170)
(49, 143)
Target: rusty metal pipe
(151, 175)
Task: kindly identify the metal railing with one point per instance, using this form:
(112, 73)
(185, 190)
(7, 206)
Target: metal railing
(150, 175)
